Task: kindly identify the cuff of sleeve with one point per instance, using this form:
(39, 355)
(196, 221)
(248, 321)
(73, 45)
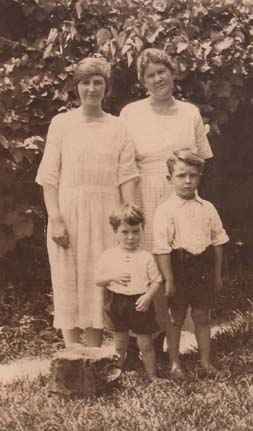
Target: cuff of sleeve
(221, 240)
(128, 178)
(44, 182)
(158, 250)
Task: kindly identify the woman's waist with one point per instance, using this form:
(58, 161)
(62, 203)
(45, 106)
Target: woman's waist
(68, 187)
(153, 167)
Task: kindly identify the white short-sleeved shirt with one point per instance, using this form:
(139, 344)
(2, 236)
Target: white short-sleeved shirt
(140, 264)
(192, 225)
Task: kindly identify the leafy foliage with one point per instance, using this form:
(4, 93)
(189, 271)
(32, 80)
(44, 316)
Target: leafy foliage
(210, 45)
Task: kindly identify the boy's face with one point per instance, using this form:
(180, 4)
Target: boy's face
(129, 236)
(185, 179)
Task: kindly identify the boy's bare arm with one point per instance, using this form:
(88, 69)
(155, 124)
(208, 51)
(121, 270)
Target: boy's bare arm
(218, 257)
(103, 278)
(165, 266)
(143, 302)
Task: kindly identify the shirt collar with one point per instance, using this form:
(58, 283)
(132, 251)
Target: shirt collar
(180, 201)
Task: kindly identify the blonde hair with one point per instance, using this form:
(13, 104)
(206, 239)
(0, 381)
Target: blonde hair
(187, 156)
(93, 66)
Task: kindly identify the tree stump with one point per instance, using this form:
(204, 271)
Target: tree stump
(83, 371)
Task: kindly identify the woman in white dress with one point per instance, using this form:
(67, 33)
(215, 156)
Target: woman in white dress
(158, 125)
(87, 168)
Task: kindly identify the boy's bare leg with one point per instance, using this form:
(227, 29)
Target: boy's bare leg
(145, 344)
(71, 336)
(94, 337)
(203, 335)
(173, 332)
(121, 340)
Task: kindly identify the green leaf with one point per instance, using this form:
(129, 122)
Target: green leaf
(226, 43)
(23, 227)
(102, 36)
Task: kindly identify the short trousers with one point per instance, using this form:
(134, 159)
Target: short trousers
(121, 316)
(193, 278)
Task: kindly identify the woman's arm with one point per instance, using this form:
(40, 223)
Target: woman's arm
(58, 230)
(128, 190)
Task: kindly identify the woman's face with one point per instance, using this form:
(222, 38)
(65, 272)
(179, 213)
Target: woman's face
(91, 90)
(158, 80)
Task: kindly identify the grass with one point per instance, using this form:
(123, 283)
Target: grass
(197, 404)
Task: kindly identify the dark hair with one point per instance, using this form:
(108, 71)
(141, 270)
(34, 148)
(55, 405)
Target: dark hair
(187, 156)
(126, 213)
(93, 66)
(152, 55)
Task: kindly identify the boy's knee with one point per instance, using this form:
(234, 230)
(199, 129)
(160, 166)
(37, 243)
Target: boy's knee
(200, 316)
(177, 317)
(145, 343)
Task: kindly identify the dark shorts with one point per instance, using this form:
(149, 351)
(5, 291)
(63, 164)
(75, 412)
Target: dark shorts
(193, 276)
(121, 316)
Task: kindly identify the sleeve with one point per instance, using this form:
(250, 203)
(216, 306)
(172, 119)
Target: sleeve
(163, 232)
(154, 274)
(202, 143)
(218, 233)
(50, 166)
(127, 168)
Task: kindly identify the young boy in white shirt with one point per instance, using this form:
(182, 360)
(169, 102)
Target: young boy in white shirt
(132, 278)
(188, 239)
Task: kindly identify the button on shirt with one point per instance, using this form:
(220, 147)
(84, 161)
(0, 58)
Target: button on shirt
(140, 264)
(192, 225)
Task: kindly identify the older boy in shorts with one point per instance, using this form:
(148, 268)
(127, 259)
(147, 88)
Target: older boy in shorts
(132, 278)
(188, 239)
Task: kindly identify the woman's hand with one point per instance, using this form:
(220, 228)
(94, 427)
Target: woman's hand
(59, 232)
(143, 302)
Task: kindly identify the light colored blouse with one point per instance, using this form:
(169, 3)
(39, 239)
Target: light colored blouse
(191, 224)
(151, 132)
(140, 264)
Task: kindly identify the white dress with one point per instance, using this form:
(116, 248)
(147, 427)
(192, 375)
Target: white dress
(86, 162)
(155, 137)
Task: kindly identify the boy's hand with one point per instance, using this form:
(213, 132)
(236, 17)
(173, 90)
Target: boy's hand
(123, 279)
(218, 282)
(143, 302)
(170, 289)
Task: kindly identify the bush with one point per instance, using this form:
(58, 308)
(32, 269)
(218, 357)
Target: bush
(210, 45)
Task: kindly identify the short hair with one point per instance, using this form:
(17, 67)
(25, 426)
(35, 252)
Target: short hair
(126, 213)
(187, 156)
(152, 55)
(93, 66)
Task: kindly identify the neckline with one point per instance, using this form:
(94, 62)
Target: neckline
(170, 107)
(96, 121)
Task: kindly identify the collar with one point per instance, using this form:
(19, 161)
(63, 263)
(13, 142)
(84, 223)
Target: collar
(180, 201)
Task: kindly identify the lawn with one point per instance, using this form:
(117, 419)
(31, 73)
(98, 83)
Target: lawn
(199, 403)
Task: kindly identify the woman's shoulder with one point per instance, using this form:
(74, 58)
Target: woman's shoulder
(187, 107)
(134, 107)
(62, 117)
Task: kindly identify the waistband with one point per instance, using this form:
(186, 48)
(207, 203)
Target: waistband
(185, 256)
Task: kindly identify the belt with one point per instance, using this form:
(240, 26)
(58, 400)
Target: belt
(185, 256)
